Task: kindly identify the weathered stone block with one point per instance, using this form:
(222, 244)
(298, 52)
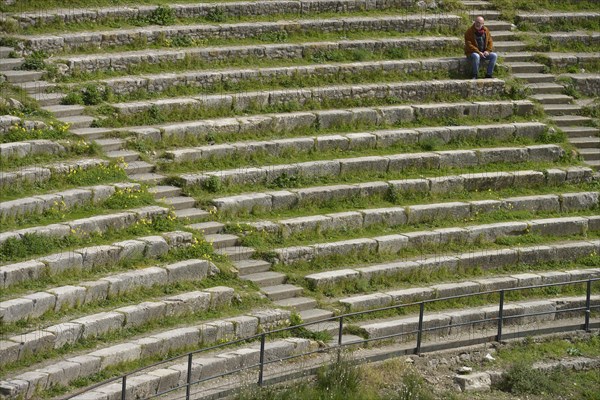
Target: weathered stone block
(188, 270)
(68, 297)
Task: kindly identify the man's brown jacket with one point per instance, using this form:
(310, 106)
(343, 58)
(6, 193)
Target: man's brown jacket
(471, 42)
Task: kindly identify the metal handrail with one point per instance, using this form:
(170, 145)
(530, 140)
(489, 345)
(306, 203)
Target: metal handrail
(500, 320)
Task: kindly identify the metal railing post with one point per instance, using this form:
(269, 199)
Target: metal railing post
(588, 310)
(189, 378)
(500, 316)
(124, 387)
(262, 360)
(339, 349)
(420, 333)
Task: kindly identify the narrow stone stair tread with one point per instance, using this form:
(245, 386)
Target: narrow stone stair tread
(208, 228)
(297, 303)
(315, 314)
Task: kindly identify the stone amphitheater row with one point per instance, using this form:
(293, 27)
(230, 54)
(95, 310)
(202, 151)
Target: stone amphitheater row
(202, 10)
(279, 123)
(123, 37)
(552, 227)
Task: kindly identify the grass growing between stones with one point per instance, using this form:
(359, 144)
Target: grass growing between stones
(510, 8)
(173, 142)
(296, 271)
(59, 26)
(292, 155)
(275, 37)
(286, 82)
(121, 200)
(109, 117)
(246, 302)
(111, 173)
(191, 63)
(31, 244)
(205, 194)
(263, 241)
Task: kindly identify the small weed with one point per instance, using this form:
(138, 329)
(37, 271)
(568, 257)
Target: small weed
(35, 61)
(212, 184)
(162, 15)
(216, 15)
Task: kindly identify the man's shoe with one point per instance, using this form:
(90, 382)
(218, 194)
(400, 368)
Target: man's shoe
(474, 77)
(488, 77)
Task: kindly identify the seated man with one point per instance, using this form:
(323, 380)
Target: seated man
(479, 45)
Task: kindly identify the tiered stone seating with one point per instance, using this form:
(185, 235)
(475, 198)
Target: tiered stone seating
(320, 163)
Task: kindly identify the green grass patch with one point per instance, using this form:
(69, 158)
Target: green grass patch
(111, 173)
(122, 199)
(31, 245)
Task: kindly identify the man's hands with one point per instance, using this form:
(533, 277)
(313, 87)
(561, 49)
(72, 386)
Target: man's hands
(485, 54)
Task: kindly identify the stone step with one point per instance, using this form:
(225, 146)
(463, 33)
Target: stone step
(246, 267)
(36, 87)
(504, 36)
(478, 4)
(552, 98)
(590, 154)
(346, 340)
(138, 167)
(297, 303)
(535, 78)
(150, 179)
(89, 134)
(517, 56)
(523, 67)
(22, 76)
(331, 327)
(61, 111)
(594, 164)
(495, 25)
(570, 120)
(236, 253)
(110, 144)
(485, 13)
(125, 155)
(179, 202)
(163, 192)
(48, 99)
(586, 143)
(266, 279)
(280, 292)
(545, 88)
(222, 240)
(192, 214)
(580, 131)
(77, 122)
(315, 314)
(509, 46)
(209, 228)
(9, 64)
(5, 51)
(562, 109)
